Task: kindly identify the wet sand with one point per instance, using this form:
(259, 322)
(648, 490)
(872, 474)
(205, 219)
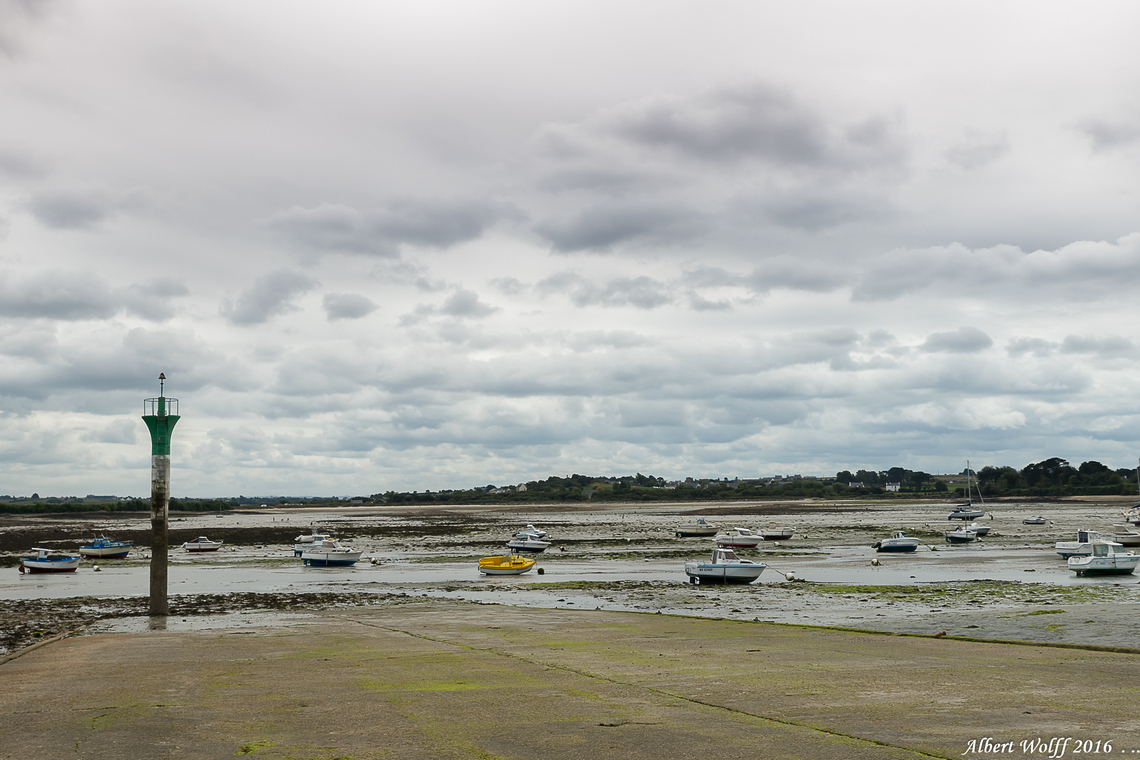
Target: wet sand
(1011, 585)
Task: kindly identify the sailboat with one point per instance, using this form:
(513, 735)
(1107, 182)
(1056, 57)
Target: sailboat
(967, 511)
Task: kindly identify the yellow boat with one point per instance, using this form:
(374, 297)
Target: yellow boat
(512, 565)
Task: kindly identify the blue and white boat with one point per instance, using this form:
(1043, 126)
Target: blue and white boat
(723, 567)
(330, 553)
(898, 542)
(104, 548)
(48, 561)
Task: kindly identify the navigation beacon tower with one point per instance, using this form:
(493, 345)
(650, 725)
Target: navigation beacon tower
(160, 416)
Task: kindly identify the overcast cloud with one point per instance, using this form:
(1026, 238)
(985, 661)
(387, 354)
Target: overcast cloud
(381, 246)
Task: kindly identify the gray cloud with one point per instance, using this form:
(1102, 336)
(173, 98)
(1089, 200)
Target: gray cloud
(384, 230)
(465, 303)
(600, 227)
(978, 149)
(347, 306)
(269, 296)
(1111, 346)
(81, 207)
(1106, 135)
(787, 272)
(115, 431)
(758, 122)
(964, 340)
(640, 292)
(58, 295)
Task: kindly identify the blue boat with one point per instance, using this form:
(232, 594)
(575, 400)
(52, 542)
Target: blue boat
(105, 548)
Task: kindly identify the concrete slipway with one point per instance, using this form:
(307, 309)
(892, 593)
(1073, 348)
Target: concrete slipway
(459, 680)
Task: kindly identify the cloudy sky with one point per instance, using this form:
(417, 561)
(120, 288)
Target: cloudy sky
(394, 245)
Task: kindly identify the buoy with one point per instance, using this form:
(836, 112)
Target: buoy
(542, 571)
(789, 576)
(875, 561)
(96, 568)
(22, 570)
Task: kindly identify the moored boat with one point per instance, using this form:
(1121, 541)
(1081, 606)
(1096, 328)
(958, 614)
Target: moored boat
(723, 567)
(202, 544)
(509, 565)
(330, 553)
(49, 561)
(1082, 547)
(964, 512)
(311, 538)
(530, 530)
(527, 544)
(1126, 535)
(1106, 558)
(701, 527)
(898, 542)
(777, 534)
(104, 548)
(978, 528)
(960, 535)
(1038, 520)
(741, 537)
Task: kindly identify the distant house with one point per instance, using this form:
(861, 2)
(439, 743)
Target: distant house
(855, 484)
(893, 486)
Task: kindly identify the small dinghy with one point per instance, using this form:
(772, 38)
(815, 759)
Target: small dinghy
(1038, 520)
(510, 565)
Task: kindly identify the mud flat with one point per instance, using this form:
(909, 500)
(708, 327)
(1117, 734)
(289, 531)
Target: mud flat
(619, 558)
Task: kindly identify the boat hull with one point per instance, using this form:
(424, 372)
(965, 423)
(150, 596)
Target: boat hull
(778, 534)
(62, 565)
(710, 573)
(1103, 565)
(965, 514)
(331, 559)
(953, 537)
(117, 550)
(739, 541)
(531, 547)
(895, 548)
(513, 565)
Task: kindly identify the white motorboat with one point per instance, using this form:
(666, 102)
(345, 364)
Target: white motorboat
(1107, 558)
(330, 553)
(1082, 547)
(1038, 520)
(49, 561)
(530, 530)
(512, 565)
(701, 527)
(527, 544)
(981, 530)
(311, 538)
(898, 542)
(202, 544)
(104, 548)
(1126, 535)
(741, 537)
(960, 535)
(777, 534)
(723, 567)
